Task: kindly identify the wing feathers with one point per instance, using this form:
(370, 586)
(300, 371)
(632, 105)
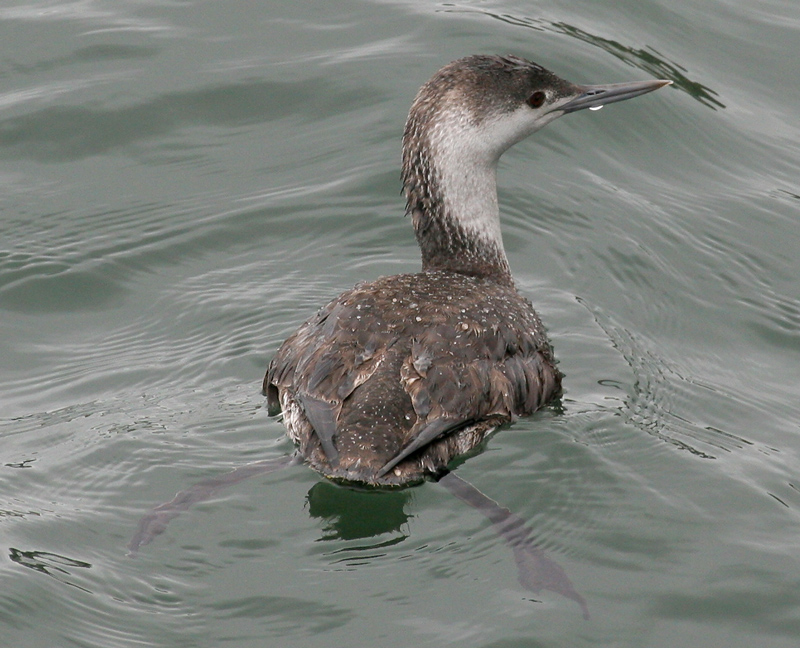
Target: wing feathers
(478, 355)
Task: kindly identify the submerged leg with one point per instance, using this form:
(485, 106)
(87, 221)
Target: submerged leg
(535, 570)
(155, 522)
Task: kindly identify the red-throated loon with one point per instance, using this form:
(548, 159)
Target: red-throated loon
(393, 379)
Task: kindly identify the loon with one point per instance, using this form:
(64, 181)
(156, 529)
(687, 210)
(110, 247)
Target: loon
(395, 378)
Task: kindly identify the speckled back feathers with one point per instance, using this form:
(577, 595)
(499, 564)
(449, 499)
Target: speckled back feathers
(390, 358)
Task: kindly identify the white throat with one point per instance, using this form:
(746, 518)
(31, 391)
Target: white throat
(466, 156)
(467, 177)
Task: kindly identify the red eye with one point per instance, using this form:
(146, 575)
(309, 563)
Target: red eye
(536, 100)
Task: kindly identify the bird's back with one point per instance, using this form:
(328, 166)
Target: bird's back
(391, 380)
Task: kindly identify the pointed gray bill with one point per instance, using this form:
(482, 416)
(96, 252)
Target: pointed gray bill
(597, 96)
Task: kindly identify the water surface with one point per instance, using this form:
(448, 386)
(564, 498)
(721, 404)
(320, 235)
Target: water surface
(184, 183)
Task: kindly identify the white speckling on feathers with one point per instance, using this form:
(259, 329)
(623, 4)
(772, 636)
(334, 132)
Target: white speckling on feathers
(393, 379)
(476, 360)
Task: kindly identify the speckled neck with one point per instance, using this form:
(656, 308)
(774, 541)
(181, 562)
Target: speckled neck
(450, 184)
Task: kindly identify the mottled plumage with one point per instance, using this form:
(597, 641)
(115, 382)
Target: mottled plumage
(393, 379)
(440, 354)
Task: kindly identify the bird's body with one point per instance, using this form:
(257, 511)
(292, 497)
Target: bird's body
(441, 356)
(393, 379)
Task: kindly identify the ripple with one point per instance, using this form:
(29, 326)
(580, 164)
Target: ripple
(656, 397)
(81, 12)
(64, 133)
(184, 184)
(753, 600)
(286, 616)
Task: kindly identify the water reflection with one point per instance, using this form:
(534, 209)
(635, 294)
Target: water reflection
(647, 59)
(351, 513)
(45, 562)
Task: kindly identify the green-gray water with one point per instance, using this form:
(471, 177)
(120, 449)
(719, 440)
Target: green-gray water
(182, 183)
